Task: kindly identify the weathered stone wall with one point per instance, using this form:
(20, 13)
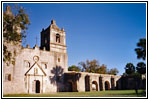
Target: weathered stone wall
(17, 84)
(8, 86)
(52, 61)
(94, 81)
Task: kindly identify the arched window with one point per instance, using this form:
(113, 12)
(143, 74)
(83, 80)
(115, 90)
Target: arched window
(27, 64)
(8, 77)
(58, 59)
(57, 38)
(44, 65)
(35, 71)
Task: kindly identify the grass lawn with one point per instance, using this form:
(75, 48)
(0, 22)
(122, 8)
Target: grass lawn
(112, 93)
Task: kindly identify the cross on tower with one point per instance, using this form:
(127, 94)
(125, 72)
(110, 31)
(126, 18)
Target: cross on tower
(36, 39)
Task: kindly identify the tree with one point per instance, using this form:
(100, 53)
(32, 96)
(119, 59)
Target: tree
(141, 50)
(137, 78)
(102, 69)
(74, 68)
(93, 66)
(14, 29)
(141, 53)
(89, 66)
(141, 68)
(113, 71)
(130, 68)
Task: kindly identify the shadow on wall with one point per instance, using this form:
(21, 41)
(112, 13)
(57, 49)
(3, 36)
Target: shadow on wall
(57, 78)
(70, 81)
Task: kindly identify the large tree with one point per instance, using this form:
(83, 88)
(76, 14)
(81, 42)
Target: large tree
(102, 69)
(141, 68)
(141, 54)
(93, 66)
(15, 24)
(89, 66)
(130, 68)
(141, 50)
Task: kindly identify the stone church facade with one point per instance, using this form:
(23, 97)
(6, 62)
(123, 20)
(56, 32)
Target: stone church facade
(35, 68)
(44, 69)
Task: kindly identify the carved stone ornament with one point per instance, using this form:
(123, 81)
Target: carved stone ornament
(35, 58)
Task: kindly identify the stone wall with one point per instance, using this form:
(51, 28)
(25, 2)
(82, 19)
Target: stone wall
(94, 82)
(54, 68)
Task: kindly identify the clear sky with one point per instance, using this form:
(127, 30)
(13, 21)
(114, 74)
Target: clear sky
(107, 32)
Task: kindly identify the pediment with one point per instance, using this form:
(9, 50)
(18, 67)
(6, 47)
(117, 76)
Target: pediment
(36, 70)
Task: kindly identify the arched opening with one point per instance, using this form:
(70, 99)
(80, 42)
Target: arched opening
(87, 83)
(107, 85)
(27, 64)
(57, 38)
(37, 86)
(69, 86)
(94, 86)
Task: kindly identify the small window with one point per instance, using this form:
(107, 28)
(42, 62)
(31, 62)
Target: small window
(58, 59)
(44, 65)
(35, 71)
(26, 64)
(57, 38)
(8, 77)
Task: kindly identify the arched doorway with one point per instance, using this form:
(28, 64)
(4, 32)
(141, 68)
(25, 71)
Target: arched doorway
(94, 86)
(87, 83)
(107, 85)
(37, 86)
(69, 84)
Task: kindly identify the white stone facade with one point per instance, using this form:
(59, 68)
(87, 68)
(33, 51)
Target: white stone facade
(37, 70)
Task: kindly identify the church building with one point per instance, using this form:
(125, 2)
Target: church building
(36, 69)
(44, 68)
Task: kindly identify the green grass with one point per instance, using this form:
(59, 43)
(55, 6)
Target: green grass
(112, 93)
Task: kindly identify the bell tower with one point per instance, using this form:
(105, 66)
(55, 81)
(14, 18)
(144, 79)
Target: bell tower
(53, 38)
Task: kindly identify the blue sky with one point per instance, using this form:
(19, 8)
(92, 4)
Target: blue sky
(107, 32)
